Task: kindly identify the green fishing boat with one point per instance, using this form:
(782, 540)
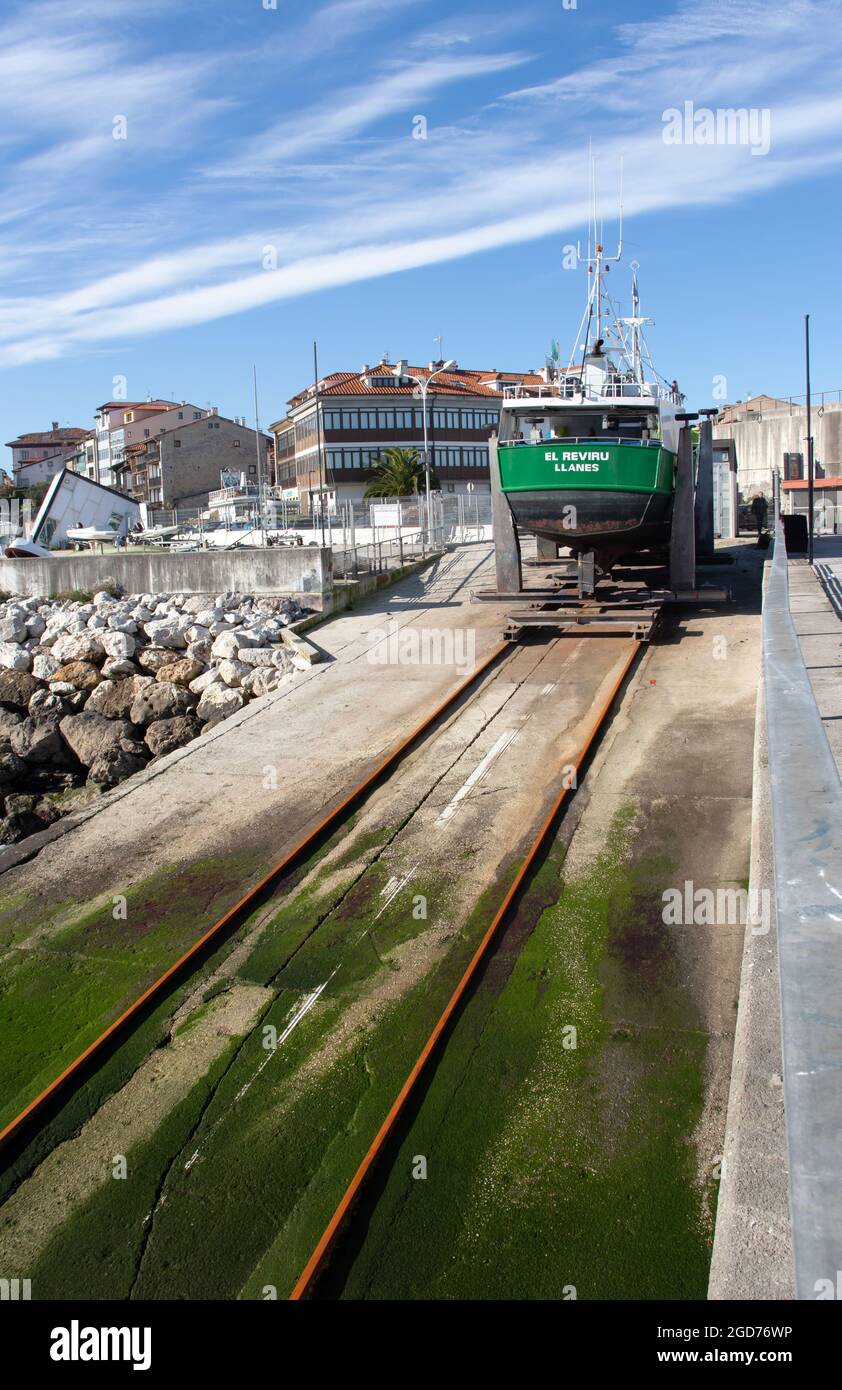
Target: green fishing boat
(588, 459)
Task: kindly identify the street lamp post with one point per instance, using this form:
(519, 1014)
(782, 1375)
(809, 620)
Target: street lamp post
(423, 383)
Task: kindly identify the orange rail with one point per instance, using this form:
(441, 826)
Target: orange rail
(313, 1265)
(331, 820)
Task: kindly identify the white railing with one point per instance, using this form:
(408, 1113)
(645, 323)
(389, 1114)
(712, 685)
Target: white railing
(229, 494)
(589, 441)
(614, 388)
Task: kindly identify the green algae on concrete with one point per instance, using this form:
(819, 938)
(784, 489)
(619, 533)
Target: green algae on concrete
(286, 1130)
(59, 994)
(96, 1253)
(555, 1171)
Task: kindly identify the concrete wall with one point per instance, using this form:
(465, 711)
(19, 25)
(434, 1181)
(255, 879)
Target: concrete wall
(761, 444)
(305, 573)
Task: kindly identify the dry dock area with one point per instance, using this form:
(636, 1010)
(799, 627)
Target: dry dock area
(566, 1142)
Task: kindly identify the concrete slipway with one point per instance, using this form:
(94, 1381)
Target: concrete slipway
(593, 1168)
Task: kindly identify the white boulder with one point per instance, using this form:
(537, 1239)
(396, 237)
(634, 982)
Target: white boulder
(14, 657)
(219, 702)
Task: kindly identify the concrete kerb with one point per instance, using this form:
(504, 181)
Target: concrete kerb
(806, 798)
(752, 1247)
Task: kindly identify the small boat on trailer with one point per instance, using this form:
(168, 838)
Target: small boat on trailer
(80, 536)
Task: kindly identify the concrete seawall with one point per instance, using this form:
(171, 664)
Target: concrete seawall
(305, 573)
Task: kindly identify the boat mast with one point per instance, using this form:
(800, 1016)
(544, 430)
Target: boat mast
(636, 363)
(635, 322)
(597, 261)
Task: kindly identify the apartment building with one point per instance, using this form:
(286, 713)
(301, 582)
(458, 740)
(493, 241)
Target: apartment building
(112, 420)
(38, 456)
(362, 413)
(181, 466)
(83, 458)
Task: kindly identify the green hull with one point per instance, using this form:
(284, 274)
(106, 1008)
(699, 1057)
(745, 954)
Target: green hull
(587, 466)
(610, 498)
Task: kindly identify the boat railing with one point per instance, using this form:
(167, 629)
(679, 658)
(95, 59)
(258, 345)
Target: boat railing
(591, 441)
(612, 388)
(553, 390)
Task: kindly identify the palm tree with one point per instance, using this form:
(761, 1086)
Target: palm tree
(400, 473)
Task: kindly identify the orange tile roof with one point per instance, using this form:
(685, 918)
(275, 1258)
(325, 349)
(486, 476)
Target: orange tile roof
(460, 381)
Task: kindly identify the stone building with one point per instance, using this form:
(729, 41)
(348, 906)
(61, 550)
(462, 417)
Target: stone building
(181, 466)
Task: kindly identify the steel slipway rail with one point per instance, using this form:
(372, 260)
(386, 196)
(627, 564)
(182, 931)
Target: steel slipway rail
(74, 1071)
(316, 1262)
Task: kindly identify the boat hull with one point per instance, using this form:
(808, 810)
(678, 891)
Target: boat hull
(615, 521)
(608, 497)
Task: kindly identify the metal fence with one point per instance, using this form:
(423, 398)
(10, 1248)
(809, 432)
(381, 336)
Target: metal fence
(377, 557)
(459, 517)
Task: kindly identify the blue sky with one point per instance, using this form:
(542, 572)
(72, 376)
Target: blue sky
(269, 190)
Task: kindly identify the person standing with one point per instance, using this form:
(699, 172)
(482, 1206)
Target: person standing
(760, 507)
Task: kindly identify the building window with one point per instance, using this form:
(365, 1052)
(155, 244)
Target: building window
(439, 417)
(236, 443)
(403, 419)
(197, 414)
(176, 443)
(368, 419)
(333, 420)
(146, 434)
(453, 419)
(793, 467)
(385, 419)
(350, 420)
(181, 415)
(252, 469)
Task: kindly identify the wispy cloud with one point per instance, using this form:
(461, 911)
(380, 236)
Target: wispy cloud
(356, 109)
(312, 191)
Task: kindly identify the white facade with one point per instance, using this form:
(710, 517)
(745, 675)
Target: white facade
(38, 470)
